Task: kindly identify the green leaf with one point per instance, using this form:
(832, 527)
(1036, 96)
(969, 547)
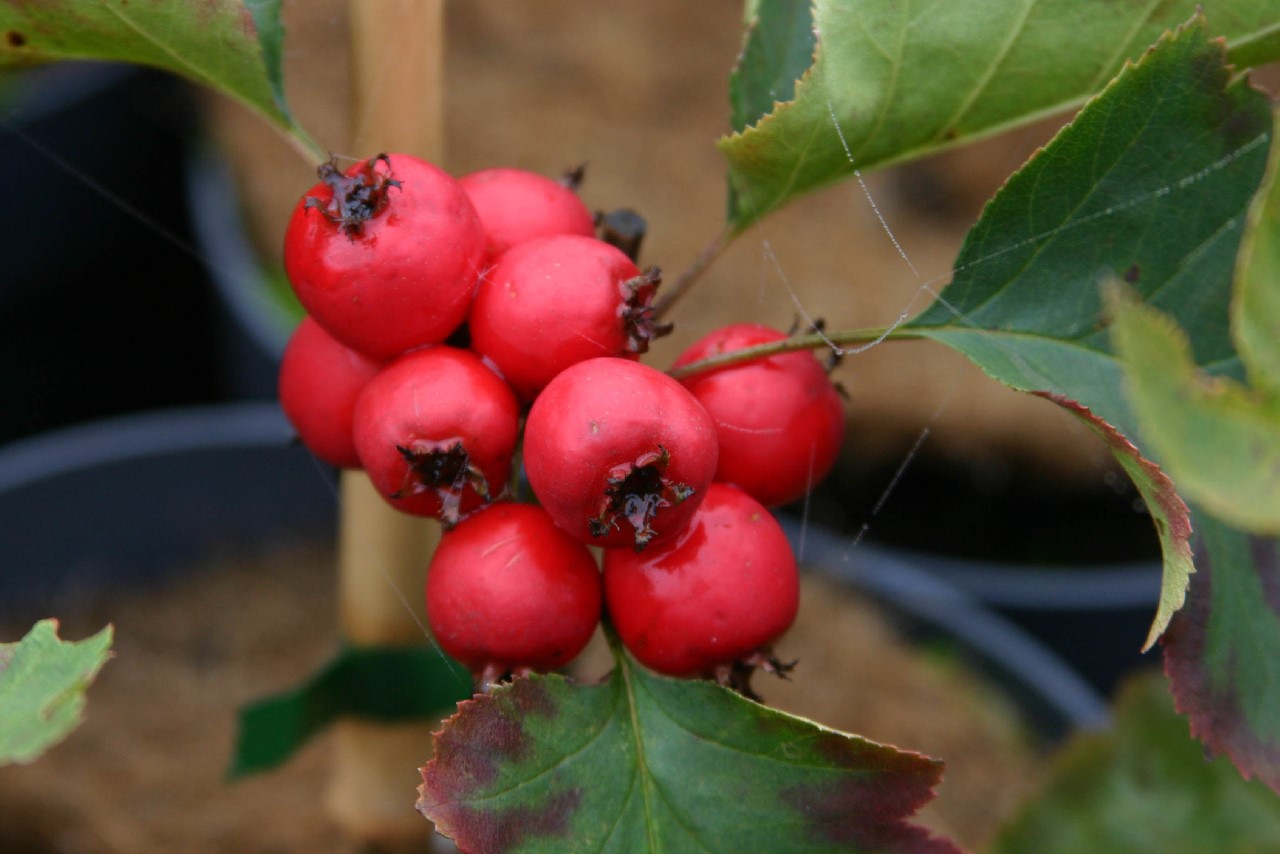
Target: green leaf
(1143, 786)
(423, 682)
(1168, 512)
(1255, 315)
(42, 687)
(233, 46)
(1149, 184)
(777, 50)
(646, 763)
(1219, 441)
(906, 79)
(1222, 652)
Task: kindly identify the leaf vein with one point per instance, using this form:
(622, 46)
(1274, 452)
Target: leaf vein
(988, 74)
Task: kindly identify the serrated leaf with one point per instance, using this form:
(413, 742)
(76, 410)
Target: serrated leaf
(1219, 441)
(1150, 184)
(233, 46)
(1255, 312)
(777, 50)
(906, 79)
(42, 688)
(1221, 651)
(1143, 786)
(646, 763)
(397, 683)
(1169, 513)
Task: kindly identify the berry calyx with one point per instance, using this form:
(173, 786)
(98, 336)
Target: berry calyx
(385, 256)
(436, 431)
(443, 467)
(355, 196)
(711, 601)
(550, 302)
(639, 323)
(634, 493)
(618, 453)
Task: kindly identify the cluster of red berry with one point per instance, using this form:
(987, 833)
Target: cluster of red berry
(452, 322)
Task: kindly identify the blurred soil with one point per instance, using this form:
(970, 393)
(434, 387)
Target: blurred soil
(144, 773)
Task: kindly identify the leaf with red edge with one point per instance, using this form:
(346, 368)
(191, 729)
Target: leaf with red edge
(1168, 511)
(1150, 184)
(1222, 652)
(642, 762)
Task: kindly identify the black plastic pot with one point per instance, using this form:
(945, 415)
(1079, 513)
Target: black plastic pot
(104, 307)
(1095, 616)
(1057, 698)
(1075, 564)
(255, 319)
(129, 500)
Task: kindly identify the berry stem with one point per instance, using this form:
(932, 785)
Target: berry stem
(811, 341)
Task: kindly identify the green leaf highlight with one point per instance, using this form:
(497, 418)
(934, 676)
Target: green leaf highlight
(1219, 441)
(646, 763)
(1255, 312)
(42, 688)
(395, 683)
(906, 79)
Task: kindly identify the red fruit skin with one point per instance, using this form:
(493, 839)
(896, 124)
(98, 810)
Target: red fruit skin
(436, 395)
(780, 420)
(548, 303)
(515, 206)
(508, 590)
(319, 382)
(608, 412)
(405, 278)
(727, 587)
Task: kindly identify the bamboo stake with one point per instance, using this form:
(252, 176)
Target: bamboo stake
(397, 71)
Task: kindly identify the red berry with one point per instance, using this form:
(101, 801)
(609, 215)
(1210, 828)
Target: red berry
(435, 431)
(550, 302)
(515, 206)
(780, 420)
(618, 453)
(508, 591)
(385, 256)
(720, 593)
(320, 380)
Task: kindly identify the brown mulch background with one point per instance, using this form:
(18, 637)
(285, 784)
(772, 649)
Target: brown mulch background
(144, 773)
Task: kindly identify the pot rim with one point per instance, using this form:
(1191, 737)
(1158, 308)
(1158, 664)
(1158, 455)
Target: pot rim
(914, 589)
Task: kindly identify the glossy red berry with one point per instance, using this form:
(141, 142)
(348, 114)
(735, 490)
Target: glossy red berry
(515, 206)
(435, 431)
(509, 591)
(618, 453)
(320, 380)
(386, 255)
(551, 302)
(720, 593)
(780, 420)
